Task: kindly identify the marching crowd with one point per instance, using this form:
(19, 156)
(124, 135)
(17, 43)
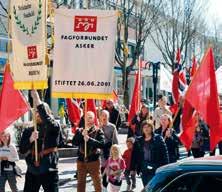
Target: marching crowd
(151, 143)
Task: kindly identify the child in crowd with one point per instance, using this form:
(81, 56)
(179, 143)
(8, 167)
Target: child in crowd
(114, 168)
(8, 156)
(129, 174)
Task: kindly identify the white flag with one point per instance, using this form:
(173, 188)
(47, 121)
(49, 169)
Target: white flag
(84, 53)
(29, 43)
(166, 79)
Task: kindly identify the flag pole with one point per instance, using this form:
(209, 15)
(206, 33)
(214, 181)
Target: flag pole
(85, 127)
(35, 129)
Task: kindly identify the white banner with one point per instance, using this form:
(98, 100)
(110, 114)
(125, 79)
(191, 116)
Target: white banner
(219, 79)
(28, 29)
(166, 79)
(84, 53)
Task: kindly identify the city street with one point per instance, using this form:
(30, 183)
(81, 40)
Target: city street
(67, 169)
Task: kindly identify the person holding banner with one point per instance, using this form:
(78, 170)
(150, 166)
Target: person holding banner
(44, 172)
(88, 156)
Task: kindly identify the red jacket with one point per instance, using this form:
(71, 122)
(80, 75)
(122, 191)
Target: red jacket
(127, 157)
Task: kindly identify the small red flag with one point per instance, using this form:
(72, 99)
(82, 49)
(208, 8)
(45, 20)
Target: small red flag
(178, 55)
(135, 104)
(194, 67)
(203, 96)
(12, 102)
(74, 113)
(188, 122)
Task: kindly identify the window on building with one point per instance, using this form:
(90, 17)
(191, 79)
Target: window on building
(3, 45)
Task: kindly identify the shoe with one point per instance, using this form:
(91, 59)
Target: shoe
(128, 188)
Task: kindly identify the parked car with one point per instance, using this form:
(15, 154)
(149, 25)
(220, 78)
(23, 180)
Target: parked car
(190, 175)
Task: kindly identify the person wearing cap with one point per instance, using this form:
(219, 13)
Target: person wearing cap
(130, 175)
(160, 110)
(44, 172)
(114, 116)
(135, 125)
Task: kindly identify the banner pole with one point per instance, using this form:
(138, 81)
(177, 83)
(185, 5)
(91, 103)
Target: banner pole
(35, 129)
(85, 128)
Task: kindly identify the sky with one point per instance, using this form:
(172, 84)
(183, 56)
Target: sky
(215, 11)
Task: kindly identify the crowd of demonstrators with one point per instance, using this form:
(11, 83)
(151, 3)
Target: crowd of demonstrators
(147, 148)
(88, 161)
(114, 116)
(137, 121)
(8, 157)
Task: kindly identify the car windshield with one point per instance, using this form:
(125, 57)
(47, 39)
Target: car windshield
(158, 181)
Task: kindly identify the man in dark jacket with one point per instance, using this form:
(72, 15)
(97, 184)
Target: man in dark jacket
(88, 159)
(44, 172)
(114, 116)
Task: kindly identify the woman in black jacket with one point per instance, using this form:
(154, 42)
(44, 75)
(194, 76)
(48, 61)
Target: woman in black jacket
(149, 153)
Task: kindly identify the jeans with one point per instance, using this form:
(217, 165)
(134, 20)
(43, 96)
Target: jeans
(11, 178)
(147, 174)
(130, 177)
(49, 182)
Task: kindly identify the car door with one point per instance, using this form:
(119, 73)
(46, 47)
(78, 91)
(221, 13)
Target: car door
(203, 181)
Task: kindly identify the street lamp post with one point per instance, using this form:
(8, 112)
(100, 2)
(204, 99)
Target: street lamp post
(156, 67)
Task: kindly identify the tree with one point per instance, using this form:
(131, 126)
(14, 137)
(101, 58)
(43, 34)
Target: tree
(179, 25)
(139, 17)
(3, 18)
(216, 43)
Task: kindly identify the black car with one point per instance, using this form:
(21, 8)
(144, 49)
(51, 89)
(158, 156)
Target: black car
(190, 175)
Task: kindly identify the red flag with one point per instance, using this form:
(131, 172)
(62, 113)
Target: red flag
(91, 106)
(74, 113)
(115, 97)
(188, 122)
(12, 103)
(178, 56)
(135, 104)
(203, 96)
(194, 67)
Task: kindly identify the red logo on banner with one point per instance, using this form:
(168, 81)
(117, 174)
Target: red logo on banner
(32, 52)
(85, 23)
